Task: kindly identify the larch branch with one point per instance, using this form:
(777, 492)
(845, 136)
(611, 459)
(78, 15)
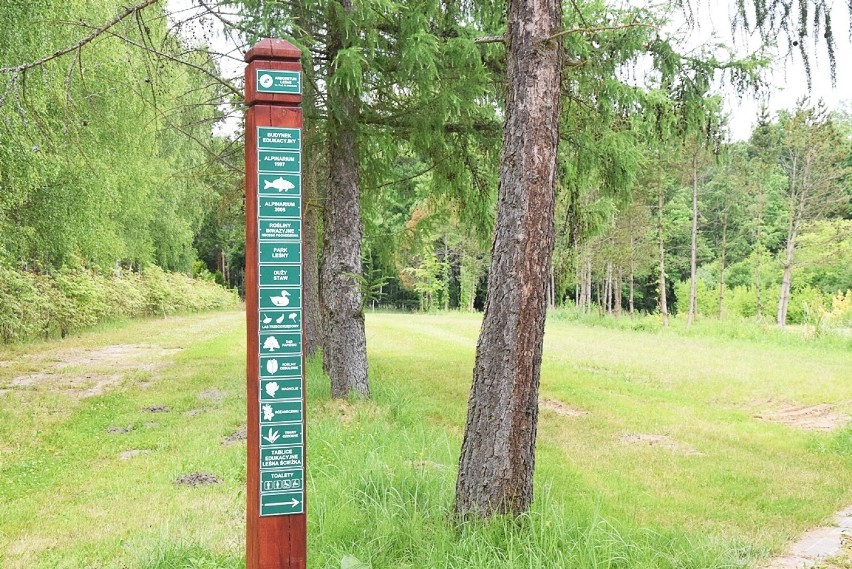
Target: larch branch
(77, 46)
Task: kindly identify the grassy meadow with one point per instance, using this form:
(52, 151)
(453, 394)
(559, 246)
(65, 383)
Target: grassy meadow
(657, 449)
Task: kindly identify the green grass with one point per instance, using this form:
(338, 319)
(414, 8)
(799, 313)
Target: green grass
(381, 474)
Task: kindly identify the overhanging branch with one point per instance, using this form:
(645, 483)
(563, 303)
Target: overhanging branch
(18, 69)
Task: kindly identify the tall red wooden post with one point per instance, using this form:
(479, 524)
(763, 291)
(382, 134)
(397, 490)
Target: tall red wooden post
(275, 519)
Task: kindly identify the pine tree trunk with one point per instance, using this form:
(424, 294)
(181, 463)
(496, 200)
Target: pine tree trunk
(617, 297)
(694, 243)
(630, 300)
(589, 286)
(498, 452)
(579, 282)
(664, 311)
(344, 340)
(552, 283)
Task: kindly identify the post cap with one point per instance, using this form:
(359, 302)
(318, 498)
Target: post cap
(269, 48)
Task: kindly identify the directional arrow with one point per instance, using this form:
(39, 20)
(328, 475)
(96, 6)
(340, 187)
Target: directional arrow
(272, 436)
(294, 502)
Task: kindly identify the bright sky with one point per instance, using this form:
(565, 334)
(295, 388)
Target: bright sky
(788, 81)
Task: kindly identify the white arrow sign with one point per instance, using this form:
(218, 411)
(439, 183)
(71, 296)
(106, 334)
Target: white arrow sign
(272, 436)
(294, 502)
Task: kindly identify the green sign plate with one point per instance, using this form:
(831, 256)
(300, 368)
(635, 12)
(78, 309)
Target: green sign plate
(282, 388)
(279, 207)
(280, 412)
(278, 435)
(280, 298)
(279, 184)
(273, 138)
(277, 81)
(281, 343)
(280, 275)
(280, 253)
(275, 229)
(287, 321)
(285, 457)
(276, 161)
(278, 480)
(281, 366)
(282, 504)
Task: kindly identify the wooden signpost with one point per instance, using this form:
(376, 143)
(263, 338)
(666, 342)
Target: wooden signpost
(275, 520)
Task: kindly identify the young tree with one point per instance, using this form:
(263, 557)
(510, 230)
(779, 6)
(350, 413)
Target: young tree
(815, 157)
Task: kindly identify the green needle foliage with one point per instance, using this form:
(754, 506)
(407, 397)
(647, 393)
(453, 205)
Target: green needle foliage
(99, 149)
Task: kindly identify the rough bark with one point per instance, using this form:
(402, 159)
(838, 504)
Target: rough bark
(664, 310)
(498, 452)
(693, 308)
(344, 340)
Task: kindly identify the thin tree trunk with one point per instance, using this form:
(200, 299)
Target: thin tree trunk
(579, 281)
(693, 309)
(787, 279)
(632, 271)
(617, 298)
(608, 288)
(344, 340)
(589, 285)
(497, 455)
(758, 263)
(664, 311)
(552, 283)
(722, 263)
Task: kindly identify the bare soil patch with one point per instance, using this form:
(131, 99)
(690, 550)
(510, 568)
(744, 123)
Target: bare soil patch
(103, 367)
(239, 435)
(659, 441)
(192, 413)
(158, 409)
(818, 546)
(822, 417)
(561, 409)
(197, 479)
(119, 430)
(213, 395)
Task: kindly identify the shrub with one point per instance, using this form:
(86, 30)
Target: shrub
(73, 299)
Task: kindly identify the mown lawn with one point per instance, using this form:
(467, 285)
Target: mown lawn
(649, 453)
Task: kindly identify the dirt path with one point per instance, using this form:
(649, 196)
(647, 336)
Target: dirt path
(823, 547)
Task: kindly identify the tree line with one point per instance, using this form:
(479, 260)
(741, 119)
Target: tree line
(474, 154)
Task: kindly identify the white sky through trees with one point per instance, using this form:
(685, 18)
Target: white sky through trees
(787, 81)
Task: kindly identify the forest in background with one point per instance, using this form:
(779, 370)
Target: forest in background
(106, 175)
(108, 161)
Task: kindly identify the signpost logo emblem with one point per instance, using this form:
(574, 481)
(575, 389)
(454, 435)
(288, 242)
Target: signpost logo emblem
(265, 80)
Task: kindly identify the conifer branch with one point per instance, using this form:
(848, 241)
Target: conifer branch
(79, 45)
(489, 39)
(595, 29)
